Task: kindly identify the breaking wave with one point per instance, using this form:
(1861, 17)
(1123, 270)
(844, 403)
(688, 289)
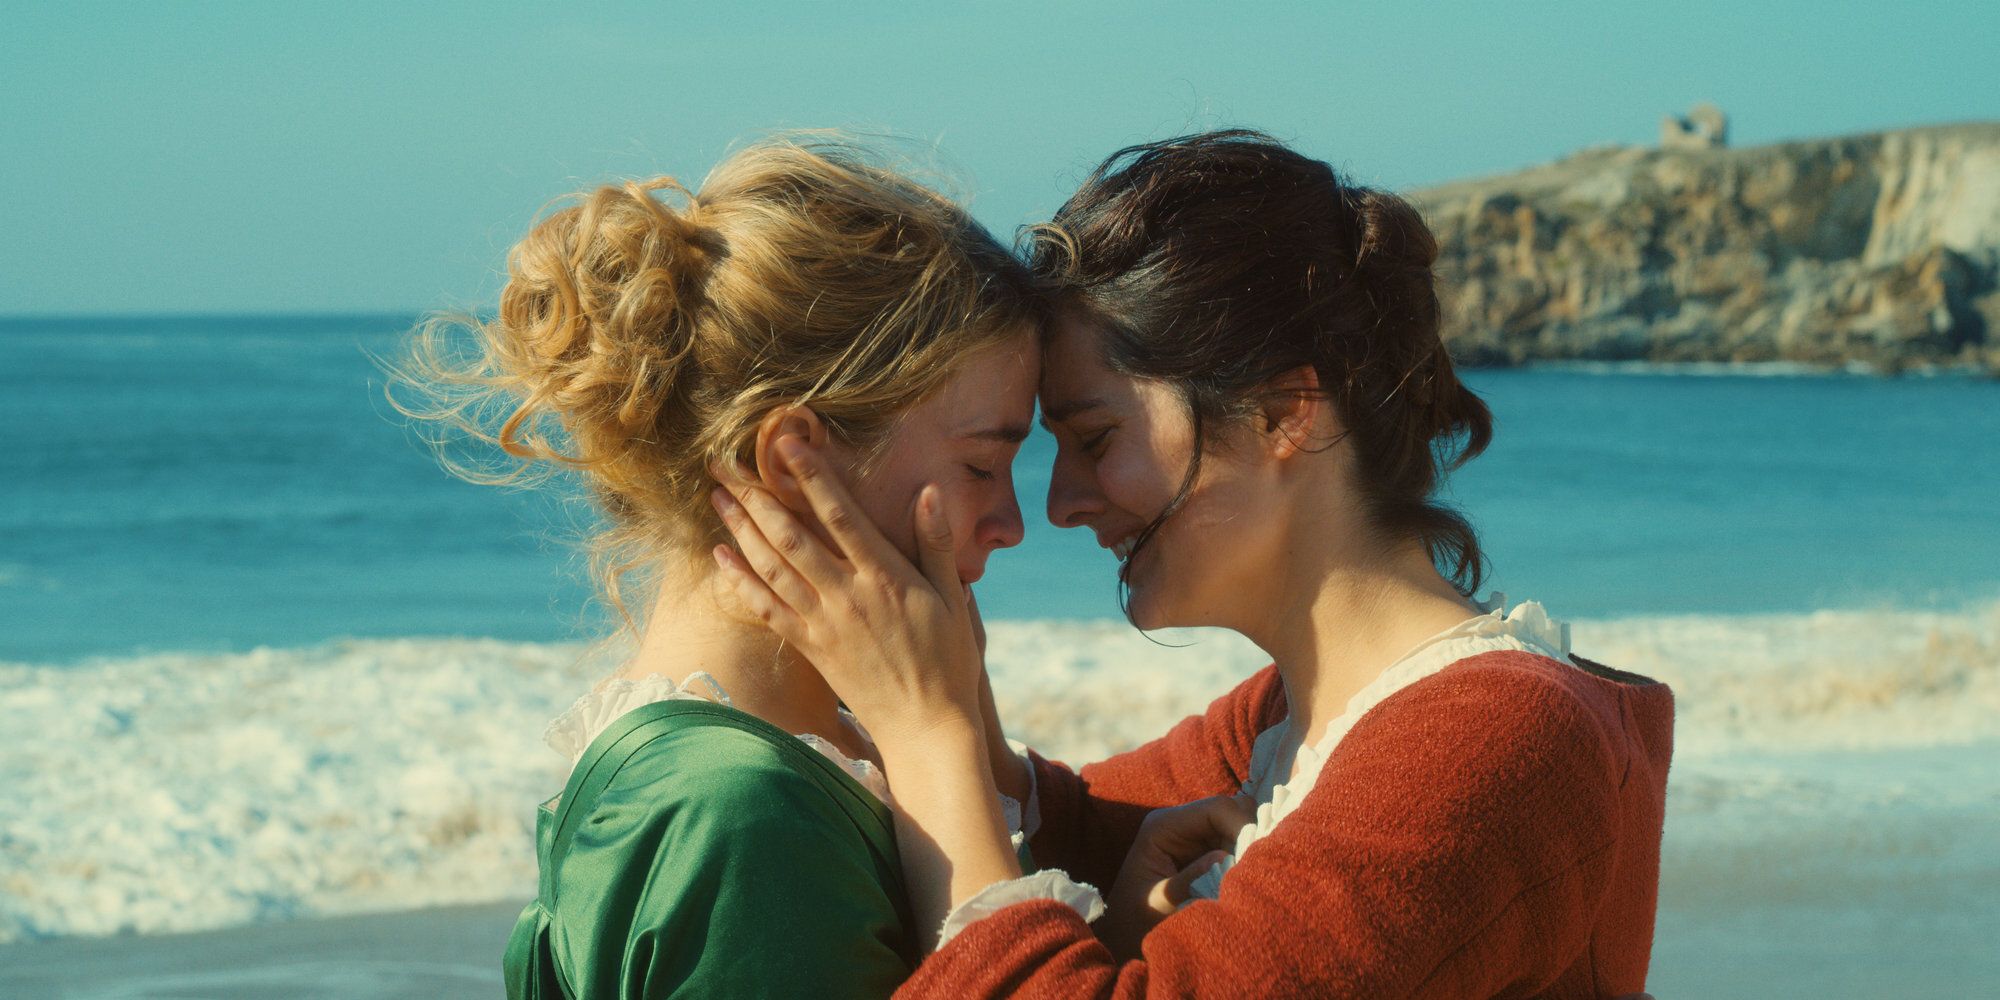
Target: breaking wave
(174, 792)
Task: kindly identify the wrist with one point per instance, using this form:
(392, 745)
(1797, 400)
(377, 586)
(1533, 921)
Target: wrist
(949, 827)
(937, 738)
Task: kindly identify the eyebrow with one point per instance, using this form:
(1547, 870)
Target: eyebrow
(1058, 414)
(1005, 434)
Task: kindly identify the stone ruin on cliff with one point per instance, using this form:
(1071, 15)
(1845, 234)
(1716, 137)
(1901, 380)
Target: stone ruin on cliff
(1705, 127)
(1879, 250)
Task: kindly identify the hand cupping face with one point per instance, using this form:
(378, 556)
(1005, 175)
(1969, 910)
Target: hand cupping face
(896, 642)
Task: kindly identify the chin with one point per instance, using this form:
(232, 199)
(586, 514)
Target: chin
(1176, 607)
(1147, 612)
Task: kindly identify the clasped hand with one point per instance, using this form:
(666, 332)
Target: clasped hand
(1174, 847)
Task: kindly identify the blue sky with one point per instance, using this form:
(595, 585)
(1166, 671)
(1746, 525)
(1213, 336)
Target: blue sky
(360, 156)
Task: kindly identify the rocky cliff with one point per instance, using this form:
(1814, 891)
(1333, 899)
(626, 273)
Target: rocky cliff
(1881, 250)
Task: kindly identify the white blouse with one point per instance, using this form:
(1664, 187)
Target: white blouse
(1282, 773)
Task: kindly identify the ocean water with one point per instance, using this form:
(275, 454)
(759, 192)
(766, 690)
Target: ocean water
(223, 484)
(260, 659)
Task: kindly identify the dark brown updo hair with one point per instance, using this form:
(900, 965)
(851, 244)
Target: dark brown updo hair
(1217, 262)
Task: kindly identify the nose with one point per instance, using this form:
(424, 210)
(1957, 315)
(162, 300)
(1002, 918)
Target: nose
(1002, 528)
(1073, 495)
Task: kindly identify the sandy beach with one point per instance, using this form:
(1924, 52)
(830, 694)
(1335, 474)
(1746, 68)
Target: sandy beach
(454, 952)
(431, 954)
(1829, 833)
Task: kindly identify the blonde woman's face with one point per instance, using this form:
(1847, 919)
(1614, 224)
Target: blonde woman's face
(964, 439)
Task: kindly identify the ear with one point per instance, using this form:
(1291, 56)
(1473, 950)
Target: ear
(796, 421)
(1296, 416)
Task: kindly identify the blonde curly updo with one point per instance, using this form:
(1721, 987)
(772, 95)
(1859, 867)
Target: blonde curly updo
(640, 341)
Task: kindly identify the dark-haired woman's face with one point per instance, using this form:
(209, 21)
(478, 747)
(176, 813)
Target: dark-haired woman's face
(1122, 450)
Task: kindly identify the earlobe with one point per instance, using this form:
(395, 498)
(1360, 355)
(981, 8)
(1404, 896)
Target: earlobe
(1294, 413)
(793, 421)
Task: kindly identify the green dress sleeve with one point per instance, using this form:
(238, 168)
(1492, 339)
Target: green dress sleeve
(721, 860)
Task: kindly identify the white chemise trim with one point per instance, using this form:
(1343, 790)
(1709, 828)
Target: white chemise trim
(1527, 628)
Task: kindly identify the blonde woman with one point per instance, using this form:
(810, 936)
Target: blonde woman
(726, 830)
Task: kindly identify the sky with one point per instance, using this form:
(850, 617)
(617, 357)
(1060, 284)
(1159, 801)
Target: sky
(310, 157)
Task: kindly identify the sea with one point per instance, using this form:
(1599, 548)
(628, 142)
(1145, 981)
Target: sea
(262, 659)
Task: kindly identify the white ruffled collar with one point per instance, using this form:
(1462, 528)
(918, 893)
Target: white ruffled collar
(1527, 627)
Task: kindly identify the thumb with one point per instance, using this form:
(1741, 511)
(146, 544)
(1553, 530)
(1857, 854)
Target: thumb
(938, 555)
(1169, 893)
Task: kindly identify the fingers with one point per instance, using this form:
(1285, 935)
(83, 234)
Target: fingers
(760, 556)
(1227, 815)
(935, 548)
(1202, 825)
(778, 529)
(1168, 894)
(835, 507)
(758, 597)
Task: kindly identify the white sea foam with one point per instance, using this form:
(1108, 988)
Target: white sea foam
(1754, 369)
(182, 791)
(1705, 369)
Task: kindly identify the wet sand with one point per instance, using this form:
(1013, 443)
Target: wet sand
(454, 952)
(437, 954)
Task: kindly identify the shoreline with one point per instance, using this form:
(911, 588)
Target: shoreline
(440, 953)
(1969, 601)
(424, 954)
(1819, 760)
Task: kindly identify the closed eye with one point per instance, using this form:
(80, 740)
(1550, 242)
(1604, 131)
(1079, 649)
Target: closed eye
(979, 473)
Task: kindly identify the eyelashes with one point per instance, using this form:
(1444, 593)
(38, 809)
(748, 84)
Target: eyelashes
(983, 475)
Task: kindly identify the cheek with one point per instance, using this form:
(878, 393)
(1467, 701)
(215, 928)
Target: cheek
(1138, 480)
(971, 506)
(965, 538)
(888, 506)
(1220, 541)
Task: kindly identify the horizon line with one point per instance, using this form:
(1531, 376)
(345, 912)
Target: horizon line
(15, 317)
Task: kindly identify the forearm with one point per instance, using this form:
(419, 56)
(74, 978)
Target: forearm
(949, 828)
(1010, 772)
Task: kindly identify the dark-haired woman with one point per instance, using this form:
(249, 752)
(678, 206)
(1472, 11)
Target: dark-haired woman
(1253, 409)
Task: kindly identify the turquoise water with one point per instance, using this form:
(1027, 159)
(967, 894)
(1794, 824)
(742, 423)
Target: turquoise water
(200, 488)
(213, 484)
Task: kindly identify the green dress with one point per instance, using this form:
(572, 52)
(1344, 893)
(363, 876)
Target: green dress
(698, 851)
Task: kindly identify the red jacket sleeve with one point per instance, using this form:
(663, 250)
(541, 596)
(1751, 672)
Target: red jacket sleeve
(1089, 819)
(1457, 844)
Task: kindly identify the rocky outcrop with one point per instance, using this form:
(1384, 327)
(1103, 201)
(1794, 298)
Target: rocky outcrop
(1880, 250)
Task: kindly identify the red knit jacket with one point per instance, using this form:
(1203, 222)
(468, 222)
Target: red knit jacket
(1490, 831)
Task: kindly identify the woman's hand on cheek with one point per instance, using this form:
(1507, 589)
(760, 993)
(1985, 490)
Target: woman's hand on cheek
(897, 643)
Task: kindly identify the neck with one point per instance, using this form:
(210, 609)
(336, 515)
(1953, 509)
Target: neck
(695, 626)
(1338, 620)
